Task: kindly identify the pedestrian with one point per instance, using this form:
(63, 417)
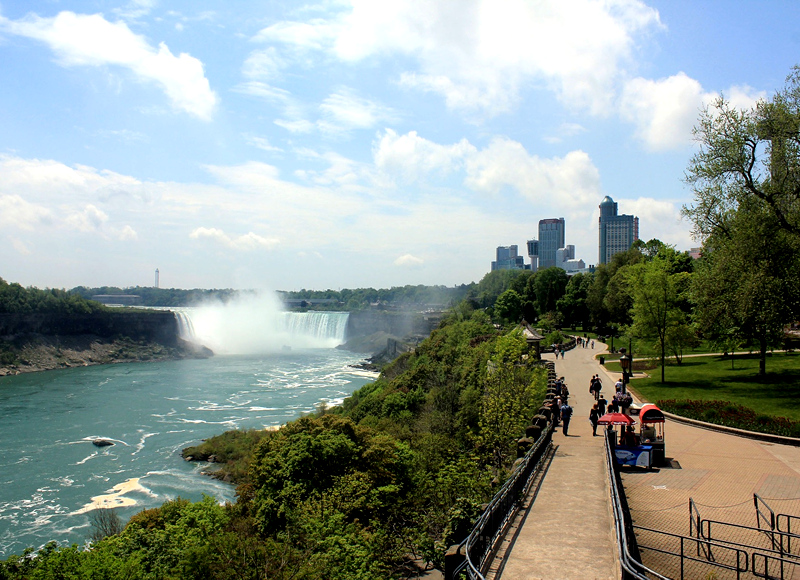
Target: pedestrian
(618, 386)
(601, 405)
(562, 353)
(612, 406)
(592, 345)
(564, 391)
(557, 412)
(566, 415)
(594, 416)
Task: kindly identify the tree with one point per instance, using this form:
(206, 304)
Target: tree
(573, 304)
(508, 307)
(747, 285)
(746, 211)
(656, 313)
(745, 155)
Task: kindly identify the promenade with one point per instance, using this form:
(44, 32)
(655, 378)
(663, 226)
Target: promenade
(567, 532)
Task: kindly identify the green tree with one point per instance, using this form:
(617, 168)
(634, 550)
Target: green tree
(656, 311)
(511, 392)
(747, 155)
(508, 307)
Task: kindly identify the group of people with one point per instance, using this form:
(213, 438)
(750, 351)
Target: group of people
(584, 342)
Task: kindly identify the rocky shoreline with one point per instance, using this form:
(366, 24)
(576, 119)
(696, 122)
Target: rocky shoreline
(39, 352)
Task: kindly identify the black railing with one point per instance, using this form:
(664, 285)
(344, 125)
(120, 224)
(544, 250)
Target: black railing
(479, 545)
(627, 548)
(731, 559)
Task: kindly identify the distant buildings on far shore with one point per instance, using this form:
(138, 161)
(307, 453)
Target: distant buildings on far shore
(617, 234)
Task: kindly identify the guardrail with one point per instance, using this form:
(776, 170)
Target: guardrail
(627, 549)
(478, 548)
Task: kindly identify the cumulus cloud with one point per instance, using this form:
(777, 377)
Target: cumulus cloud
(573, 179)
(89, 220)
(16, 212)
(409, 261)
(411, 157)
(91, 40)
(659, 219)
(246, 242)
(478, 54)
(663, 111)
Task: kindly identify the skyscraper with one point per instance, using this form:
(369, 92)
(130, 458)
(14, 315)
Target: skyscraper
(551, 238)
(508, 259)
(533, 254)
(617, 232)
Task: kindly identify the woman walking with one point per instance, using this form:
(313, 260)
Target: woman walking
(594, 416)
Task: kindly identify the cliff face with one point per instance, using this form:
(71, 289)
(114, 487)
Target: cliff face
(44, 341)
(150, 326)
(399, 324)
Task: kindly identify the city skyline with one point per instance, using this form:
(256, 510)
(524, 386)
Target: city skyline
(352, 144)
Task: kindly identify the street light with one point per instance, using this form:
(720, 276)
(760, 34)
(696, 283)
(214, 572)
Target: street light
(625, 362)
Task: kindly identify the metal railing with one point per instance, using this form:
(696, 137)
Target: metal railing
(479, 545)
(730, 558)
(628, 552)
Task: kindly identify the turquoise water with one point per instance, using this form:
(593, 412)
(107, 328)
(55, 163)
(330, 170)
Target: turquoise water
(51, 474)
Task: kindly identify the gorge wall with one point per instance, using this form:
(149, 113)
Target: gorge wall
(151, 326)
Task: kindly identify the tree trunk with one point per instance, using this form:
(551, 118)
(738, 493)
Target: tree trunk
(762, 357)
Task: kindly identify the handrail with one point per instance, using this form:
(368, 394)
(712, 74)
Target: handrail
(632, 568)
(500, 510)
(778, 545)
(742, 556)
(761, 516)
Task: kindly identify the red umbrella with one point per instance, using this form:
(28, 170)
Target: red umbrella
(615, 419)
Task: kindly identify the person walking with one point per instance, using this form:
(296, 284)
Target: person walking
(566, 415)
(594, 416)
(601, 405)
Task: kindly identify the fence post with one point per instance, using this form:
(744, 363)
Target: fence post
(454, 560)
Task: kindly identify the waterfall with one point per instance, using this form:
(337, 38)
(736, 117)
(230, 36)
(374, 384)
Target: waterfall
(255, 326)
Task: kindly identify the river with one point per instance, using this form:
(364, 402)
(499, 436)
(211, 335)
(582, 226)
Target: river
(51, 475)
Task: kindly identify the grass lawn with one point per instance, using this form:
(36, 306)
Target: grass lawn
(711, 378)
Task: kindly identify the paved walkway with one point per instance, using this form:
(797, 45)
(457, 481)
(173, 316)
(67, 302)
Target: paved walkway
(721, 472)
(567, 532)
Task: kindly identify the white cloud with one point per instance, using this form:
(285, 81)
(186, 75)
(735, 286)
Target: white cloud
(479, 53)
(20, 247)
(412, 157)
(15, 212)
(263, 64)
(409, 261)
(565, 131)
(261, 143)
(659, 219)
(91, 40)
(664, 111)
(89, 220)
(573, 179)
(345, 110)
(126, 234)
(246, 242)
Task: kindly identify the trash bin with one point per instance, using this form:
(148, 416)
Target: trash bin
(602, 360)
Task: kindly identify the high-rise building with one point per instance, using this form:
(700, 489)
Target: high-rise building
(551, 238)
(617, 232)
(533, 254)
(508, 259)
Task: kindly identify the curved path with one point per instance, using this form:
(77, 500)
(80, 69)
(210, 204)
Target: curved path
(568, 531)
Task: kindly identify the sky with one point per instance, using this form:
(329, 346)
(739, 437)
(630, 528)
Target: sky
(345, 144)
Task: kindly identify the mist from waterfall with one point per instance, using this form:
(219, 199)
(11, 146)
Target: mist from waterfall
(253, 324)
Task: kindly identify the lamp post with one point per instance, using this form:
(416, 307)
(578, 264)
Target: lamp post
(625, 362)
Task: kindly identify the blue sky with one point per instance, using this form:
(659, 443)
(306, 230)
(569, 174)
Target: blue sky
(347, 144)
